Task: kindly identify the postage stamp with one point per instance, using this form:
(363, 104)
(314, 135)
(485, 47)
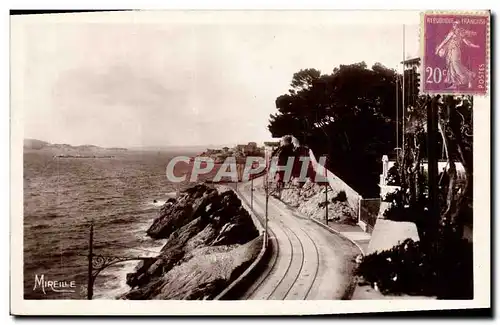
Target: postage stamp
(247, 163)
(455, 52)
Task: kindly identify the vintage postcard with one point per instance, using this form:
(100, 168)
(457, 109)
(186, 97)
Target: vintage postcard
(249, 162)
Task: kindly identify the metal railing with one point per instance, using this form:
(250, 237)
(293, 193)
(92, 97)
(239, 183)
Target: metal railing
(97, 262)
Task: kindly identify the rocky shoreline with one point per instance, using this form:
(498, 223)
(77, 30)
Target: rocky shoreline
(211, 240)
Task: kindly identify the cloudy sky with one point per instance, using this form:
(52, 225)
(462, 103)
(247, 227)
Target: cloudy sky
(159, 83)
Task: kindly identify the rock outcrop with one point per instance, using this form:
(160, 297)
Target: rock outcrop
(210, 240)
(310, 200)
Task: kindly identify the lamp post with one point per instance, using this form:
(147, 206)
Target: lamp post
(251, 194)
(326, 204)
(432, 161)
(98, 262)
(90, 286)
(237, 176)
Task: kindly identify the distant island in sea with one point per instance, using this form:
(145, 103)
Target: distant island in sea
(34, 144)
(90, 149)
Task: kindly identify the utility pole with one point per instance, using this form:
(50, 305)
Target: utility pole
(251, 193)
(267, 209)
(326, 204)
(90, 289)
(266, 187)
(432, 159)
(397, 149)
(237, 177)
(397, 111)
(403, 97)
(98, 262)
(267, 218)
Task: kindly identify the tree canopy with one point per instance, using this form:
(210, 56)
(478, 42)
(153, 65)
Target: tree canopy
(348, 115)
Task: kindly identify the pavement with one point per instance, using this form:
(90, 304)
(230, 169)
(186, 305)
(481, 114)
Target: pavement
(353, 233)
(311, 260)
(385, 235)
(307, 260)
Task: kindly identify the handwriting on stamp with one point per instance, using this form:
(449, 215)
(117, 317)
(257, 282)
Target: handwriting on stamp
(455, 53)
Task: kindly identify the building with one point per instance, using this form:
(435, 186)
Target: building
(213, 151)
(269, 147)
(240, 148)
(250, 148)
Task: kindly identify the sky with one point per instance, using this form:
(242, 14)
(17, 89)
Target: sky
(172, 84)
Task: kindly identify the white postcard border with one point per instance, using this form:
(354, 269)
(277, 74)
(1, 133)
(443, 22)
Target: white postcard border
(482, 191)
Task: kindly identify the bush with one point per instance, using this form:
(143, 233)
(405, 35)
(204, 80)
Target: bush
(340, 197)
(418, 213)
(442, 269)
(393, 176)
(397, 210)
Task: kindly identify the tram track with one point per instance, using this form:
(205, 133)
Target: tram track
(290, 274)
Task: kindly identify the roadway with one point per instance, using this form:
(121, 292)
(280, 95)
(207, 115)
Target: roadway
(307, 261)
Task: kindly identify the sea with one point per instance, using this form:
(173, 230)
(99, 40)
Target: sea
(120, 194)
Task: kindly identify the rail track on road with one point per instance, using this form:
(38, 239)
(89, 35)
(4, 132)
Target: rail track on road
(299, 267)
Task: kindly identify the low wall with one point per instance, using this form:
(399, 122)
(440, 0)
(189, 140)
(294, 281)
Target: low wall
(369, 210)
(336, 183)
(242, 282)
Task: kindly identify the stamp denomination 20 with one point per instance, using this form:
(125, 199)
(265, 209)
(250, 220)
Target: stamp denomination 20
(455, 50)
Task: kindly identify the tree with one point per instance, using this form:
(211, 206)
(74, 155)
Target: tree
(455, 195)
(455, 124)
(348, 115)
(304, 79)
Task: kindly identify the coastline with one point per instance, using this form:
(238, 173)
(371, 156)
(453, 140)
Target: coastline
(203, 227)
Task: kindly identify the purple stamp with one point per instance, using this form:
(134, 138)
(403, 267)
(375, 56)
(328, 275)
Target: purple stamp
(455, 53)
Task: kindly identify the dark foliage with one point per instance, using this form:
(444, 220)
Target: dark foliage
(399, 211)
(417, 213)
(442, 269)
(340, 197)
(349, 113)
(393, 176)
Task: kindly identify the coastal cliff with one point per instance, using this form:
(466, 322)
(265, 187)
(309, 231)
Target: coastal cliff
(211, 239)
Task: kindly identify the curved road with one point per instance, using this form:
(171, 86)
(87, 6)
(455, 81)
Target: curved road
(307, 261)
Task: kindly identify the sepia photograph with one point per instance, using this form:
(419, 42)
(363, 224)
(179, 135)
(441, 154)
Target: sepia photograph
(181, 162)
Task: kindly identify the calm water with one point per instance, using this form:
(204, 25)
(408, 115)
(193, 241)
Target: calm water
(62, 195)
